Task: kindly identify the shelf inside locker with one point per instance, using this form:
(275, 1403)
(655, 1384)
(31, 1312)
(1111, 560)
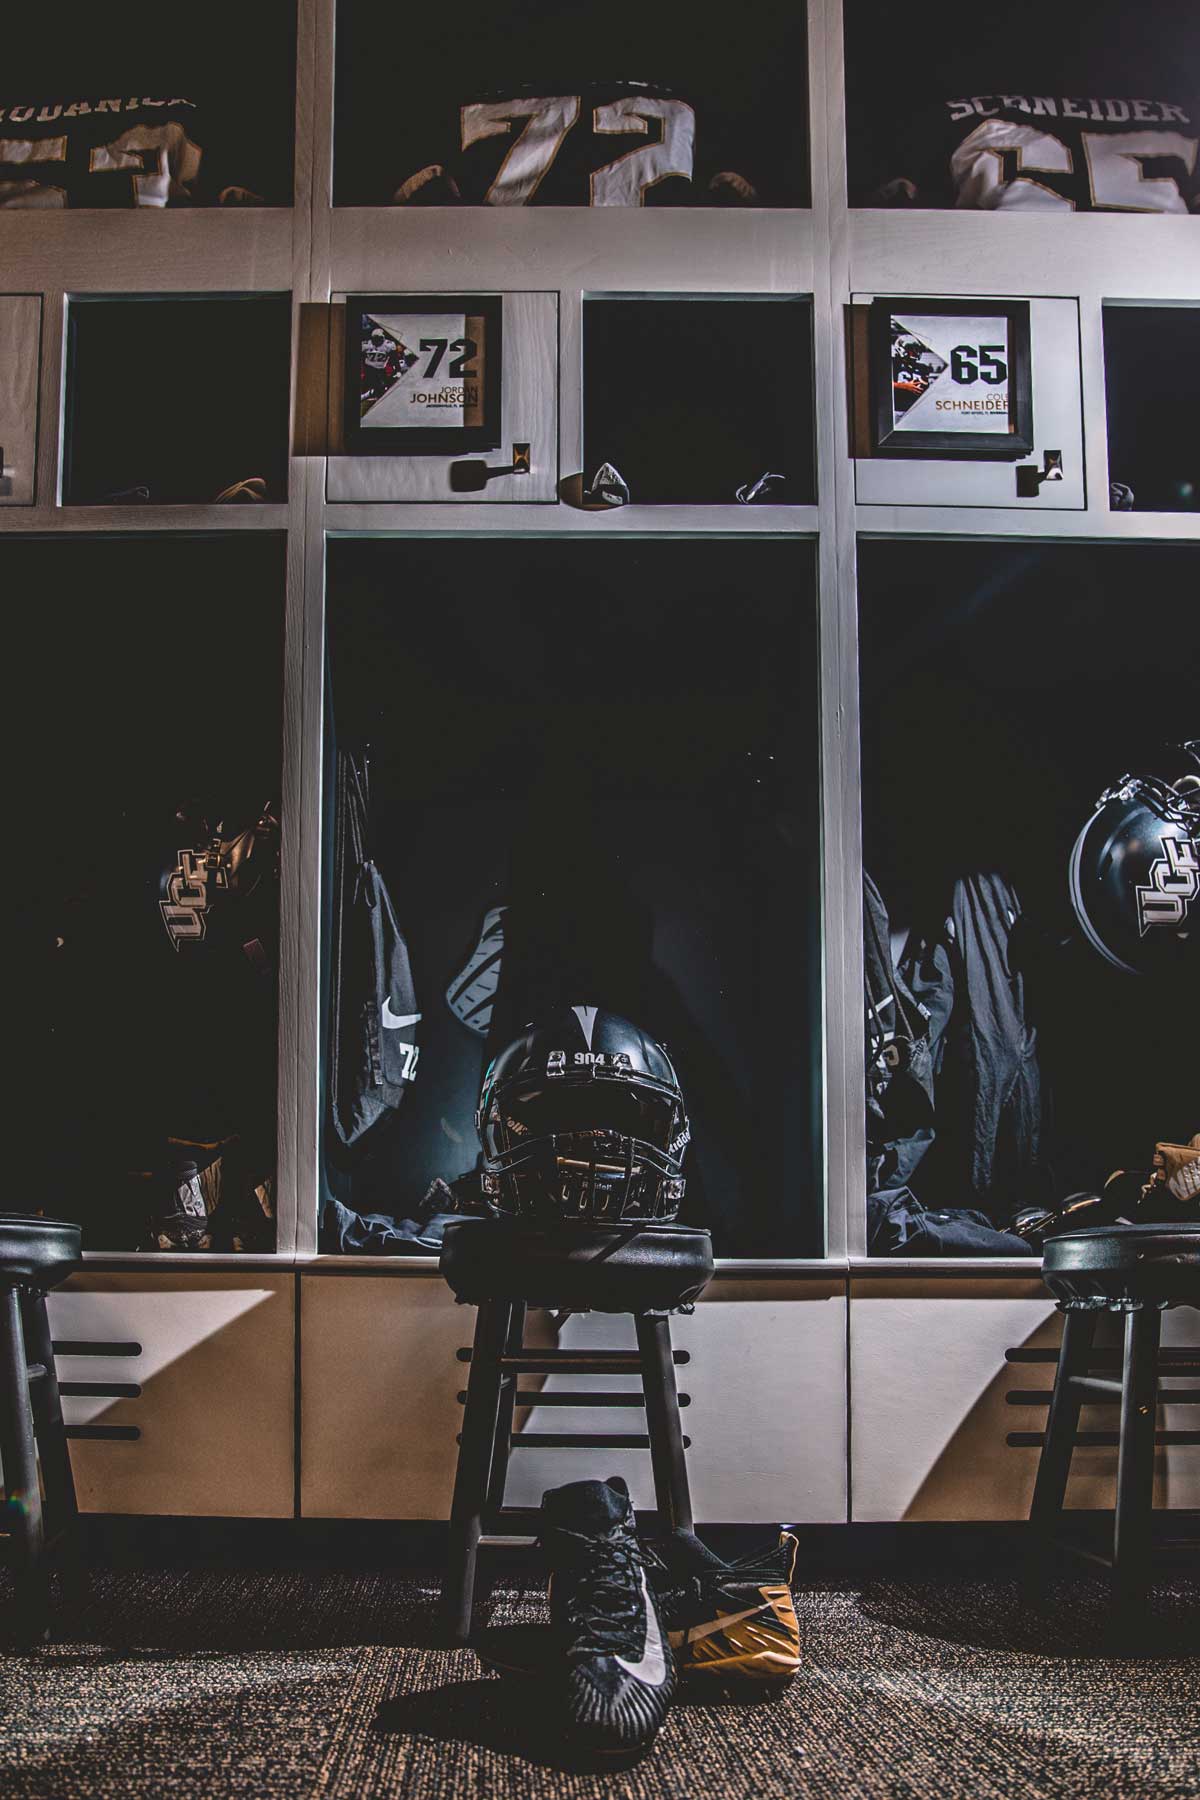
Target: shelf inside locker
(1152, 394)
(172, 401)
(149, 714)
(700, 401)
(607, 103)
(593, 772)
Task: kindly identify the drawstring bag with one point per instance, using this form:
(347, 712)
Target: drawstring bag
(373, 1006)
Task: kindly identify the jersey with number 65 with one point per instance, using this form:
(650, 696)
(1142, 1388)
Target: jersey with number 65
(107, 152)
(1052, 153)
(601, 144)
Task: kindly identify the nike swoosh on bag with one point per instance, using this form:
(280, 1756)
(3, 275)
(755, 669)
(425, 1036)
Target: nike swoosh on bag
(393, 1021)
(652, 1667)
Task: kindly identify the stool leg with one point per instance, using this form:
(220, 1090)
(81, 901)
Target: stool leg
(502, 1450)
(1054, 1465)
(671, 1490)
(23, 1501)
(480, 1419)
(62, 1507)
(1135, 1456)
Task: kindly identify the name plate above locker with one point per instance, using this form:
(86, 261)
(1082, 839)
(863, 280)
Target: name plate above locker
(513, 458)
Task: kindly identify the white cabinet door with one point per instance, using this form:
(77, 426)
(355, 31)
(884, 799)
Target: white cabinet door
(765, 1379)
(379, 1379)
(935, 1399)
(208, 1430)
(20, 353)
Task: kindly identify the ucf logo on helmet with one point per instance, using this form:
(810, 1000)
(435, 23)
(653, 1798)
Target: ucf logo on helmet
(1175, 883)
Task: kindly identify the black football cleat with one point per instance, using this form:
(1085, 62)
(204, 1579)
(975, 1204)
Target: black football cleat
(611, 1651)
(728, 1621)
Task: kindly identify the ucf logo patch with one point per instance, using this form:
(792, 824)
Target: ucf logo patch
(184, 911)
(1174, 884)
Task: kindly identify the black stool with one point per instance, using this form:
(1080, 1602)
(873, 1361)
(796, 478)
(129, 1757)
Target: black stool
(503, 1268)
(1138, 1270)
(35, 1256)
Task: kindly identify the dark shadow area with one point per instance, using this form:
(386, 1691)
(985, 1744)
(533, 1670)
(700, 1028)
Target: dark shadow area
(153, 387)
(144, 704)
(730, 399)
(1152, 394)
(1067, 1614)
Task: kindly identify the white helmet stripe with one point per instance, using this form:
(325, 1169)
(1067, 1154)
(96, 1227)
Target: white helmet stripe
(587, 1020)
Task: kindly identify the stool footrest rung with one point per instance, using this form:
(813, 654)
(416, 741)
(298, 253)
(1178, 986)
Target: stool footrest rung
(574, 1362)
(1100, 1385)
(1093, 1440)
(584, 1440)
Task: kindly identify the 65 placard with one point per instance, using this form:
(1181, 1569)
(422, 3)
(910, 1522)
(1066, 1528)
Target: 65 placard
(950, 379)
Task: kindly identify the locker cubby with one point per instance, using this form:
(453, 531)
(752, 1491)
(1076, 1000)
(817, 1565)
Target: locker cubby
(1059, 114)
(149, 702)
(1005, 687)
(617, 743)
(174, 400)
(694, 399)
(1152, 395)
(732, 106)
(95, 113)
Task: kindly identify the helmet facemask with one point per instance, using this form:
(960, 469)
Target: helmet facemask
(591, 1144)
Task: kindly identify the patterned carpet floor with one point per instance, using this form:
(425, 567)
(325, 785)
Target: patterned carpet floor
(214, 1681)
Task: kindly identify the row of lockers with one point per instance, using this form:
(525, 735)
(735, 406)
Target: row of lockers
(175, 400)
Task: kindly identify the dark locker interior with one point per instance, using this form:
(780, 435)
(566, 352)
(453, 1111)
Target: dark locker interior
(618, 743)
(1004, 687)
(145, 686)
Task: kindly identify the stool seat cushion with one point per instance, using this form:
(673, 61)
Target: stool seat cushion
(579, 1268)
(39, 1252)
(1131, 1263)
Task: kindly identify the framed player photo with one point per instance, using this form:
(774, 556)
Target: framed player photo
(950, 379)
(422, 373)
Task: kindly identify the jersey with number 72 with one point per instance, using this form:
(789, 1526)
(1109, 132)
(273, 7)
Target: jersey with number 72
(602, 144)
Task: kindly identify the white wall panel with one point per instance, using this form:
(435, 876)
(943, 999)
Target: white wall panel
(930, 1417)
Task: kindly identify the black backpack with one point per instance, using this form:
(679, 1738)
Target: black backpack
(373, 1006)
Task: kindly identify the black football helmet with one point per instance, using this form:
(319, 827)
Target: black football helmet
(582, 1117)
(1135, 872)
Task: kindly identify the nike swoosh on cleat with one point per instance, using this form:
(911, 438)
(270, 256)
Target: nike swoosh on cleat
(393, 1021)
(693, 1636)
(652, 1668)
